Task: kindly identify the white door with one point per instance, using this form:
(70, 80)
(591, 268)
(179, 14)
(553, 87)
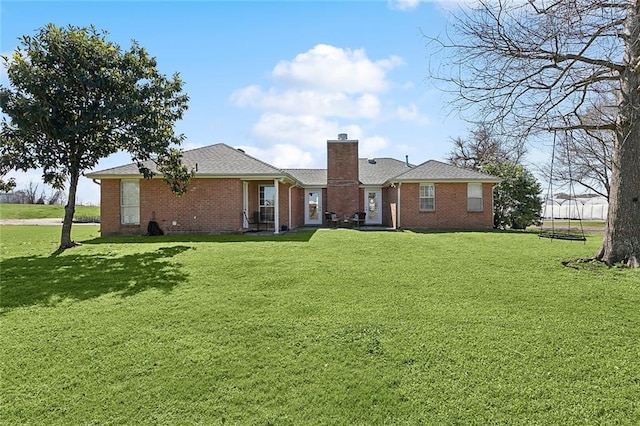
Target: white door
(373, 206)
(313, 207)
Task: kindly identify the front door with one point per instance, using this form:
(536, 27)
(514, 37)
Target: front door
(373, 206)
(313, 207)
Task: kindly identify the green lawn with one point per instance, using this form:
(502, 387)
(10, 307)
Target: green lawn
(40, 211)
(327, 327)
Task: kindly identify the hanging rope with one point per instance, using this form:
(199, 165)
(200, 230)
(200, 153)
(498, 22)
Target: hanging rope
(553, 233)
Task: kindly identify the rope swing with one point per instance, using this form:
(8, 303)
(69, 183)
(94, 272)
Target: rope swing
(554, 233)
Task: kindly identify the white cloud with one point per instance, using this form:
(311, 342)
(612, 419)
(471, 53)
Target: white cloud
(188, 146)
(323, 82)
(403, 5)
(369, 146)
(411, 113)
(247, 96)
(300, 130)
(284, 156)
(325, 104)
(411, 5)
(311, 98)
(308, 134)
(332, 68)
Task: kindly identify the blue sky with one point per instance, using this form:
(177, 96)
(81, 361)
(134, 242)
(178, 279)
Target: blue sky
(278, 78)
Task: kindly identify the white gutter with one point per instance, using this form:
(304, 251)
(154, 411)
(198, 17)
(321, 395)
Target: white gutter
(276, 210)
(398, 207)
(290, 188)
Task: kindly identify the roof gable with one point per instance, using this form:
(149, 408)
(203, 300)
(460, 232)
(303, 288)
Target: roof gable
(433, 170)
(218, 160)
(379, 170)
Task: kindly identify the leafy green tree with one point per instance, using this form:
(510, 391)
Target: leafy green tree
(75, 98)
(8, 185)
(517, 202)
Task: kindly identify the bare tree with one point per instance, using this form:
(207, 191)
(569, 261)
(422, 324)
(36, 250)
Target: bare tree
(540, 66)
(484, 146)
(584, 157)
(56, 197)
(31, 194)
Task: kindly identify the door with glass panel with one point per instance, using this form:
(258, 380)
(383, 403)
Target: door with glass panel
(267, 202)
(313, 207)
(373, 206)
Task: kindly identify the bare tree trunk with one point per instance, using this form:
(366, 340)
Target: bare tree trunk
(622, 239)
(69, 210)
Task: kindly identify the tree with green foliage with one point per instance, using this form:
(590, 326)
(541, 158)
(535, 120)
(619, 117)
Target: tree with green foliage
(7, 185)
(517, 202)
(75, 98)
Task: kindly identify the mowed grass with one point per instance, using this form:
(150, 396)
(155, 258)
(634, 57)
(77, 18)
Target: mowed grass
(326, 327)
(41, 211)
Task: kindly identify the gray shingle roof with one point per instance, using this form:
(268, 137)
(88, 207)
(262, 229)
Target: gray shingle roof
(214, 160)
(433, 170)
(379, 170)
(309, 177)
(221, 160)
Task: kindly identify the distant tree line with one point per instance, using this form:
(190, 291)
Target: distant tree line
(32, 194)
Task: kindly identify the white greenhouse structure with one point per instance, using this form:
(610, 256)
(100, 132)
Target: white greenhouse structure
(595, 208)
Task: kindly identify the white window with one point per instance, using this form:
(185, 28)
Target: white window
(427, 197)
(474, 197)
(130, 202)
(267, 203)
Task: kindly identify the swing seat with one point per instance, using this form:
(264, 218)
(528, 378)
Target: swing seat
(562, 236)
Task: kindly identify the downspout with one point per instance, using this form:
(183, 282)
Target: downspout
(245, 204)
(290, 188)
(276, 210)
(398, 207)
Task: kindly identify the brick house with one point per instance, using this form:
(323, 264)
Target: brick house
(234, 192)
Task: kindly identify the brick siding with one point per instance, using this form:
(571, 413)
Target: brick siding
(209, 206)
(450, 208)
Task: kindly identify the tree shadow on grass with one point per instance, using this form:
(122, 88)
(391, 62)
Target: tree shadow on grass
(47, 281)
(474, 231)
(300, 236)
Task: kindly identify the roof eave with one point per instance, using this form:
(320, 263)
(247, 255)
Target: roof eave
(390, 181)
(197, 176)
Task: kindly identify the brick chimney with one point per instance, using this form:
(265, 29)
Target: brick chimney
(343, 193)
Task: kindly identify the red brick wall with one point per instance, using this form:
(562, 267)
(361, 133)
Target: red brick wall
(343, 194)
(283, 205)
(389, 196)
(297, 207)
(215, 206)
(451, 208)
(110, 209)
(209, 206)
